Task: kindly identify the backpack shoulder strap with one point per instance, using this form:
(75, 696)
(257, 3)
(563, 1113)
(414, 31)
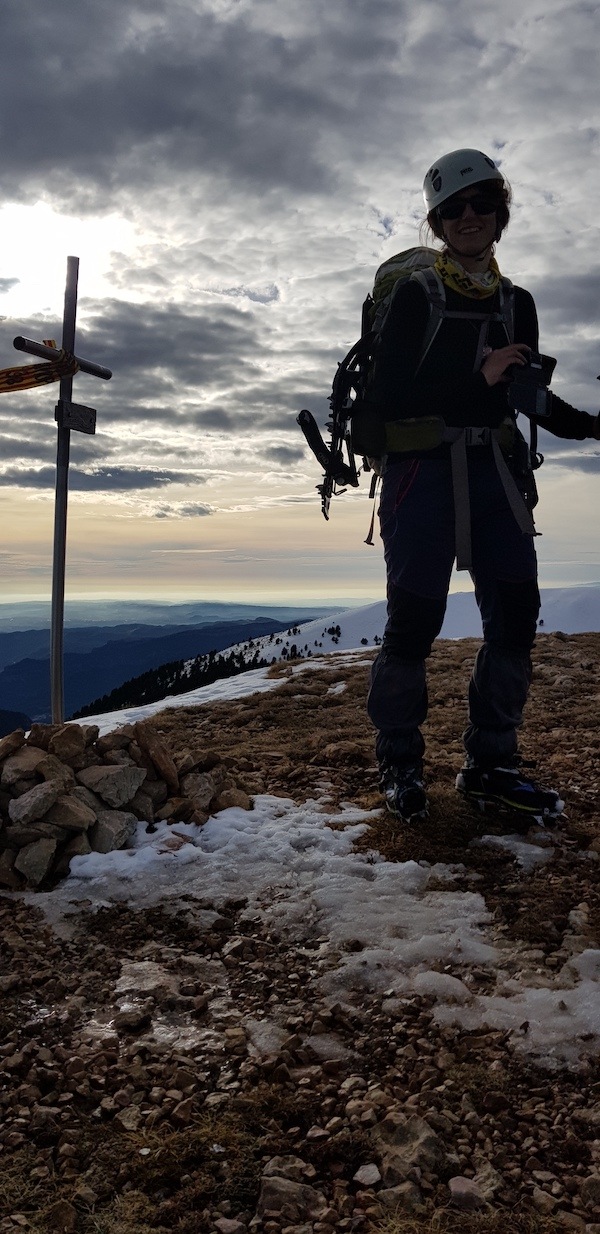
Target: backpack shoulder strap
(507, 307)
(433, 287)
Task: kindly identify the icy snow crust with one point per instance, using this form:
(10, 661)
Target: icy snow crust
(382, 925)
(417, 932)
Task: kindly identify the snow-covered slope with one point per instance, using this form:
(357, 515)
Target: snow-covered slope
(574, 610)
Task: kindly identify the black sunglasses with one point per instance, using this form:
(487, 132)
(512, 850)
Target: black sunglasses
(455, 208)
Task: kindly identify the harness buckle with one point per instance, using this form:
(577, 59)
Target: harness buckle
(478, 436)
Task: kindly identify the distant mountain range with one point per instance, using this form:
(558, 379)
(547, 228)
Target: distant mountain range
(97, 659)
(16, 645)
(35, 614)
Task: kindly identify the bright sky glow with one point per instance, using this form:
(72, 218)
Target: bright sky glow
(41, 240)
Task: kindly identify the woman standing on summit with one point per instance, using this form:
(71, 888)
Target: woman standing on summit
(466, 493)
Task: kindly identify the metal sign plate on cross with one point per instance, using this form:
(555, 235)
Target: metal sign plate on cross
(75, 416)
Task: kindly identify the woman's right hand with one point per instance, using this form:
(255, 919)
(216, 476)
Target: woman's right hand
(495, 365)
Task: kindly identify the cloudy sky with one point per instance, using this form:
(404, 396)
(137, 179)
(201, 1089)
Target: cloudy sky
(231, 173)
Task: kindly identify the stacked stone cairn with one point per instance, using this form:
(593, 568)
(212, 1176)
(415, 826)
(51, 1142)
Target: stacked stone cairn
(66, 792)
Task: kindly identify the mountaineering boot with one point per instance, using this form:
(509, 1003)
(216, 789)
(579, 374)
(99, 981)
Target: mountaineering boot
(507, 786)
(404, 792)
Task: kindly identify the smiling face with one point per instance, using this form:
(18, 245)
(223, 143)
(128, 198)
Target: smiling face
(471, 235)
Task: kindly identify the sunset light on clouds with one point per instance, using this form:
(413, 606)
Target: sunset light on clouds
(230, 176)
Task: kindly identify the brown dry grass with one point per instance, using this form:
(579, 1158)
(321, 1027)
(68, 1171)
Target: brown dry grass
(444, 1221)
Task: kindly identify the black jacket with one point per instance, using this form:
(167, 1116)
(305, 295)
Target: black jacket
(446, 385)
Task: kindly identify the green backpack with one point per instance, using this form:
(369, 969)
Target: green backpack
(355, 428)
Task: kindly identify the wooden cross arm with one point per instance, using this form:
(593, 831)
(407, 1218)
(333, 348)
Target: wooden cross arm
(50, 353)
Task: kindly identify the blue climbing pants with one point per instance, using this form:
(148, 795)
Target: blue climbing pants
(416, 515)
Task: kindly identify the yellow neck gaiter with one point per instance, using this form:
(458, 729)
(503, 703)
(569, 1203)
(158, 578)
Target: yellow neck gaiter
(477, 286)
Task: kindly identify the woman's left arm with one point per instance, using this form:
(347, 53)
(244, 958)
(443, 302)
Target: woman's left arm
(564, 420)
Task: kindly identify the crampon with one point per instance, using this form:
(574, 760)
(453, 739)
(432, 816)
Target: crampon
(508, 789)
(404, 793)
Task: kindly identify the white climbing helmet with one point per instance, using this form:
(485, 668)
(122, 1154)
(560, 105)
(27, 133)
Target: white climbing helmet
(455, 171)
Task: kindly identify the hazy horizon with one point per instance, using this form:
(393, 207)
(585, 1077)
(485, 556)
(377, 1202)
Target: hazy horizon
(10, 609)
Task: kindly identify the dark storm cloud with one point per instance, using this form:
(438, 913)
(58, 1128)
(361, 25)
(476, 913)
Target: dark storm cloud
(571, 298)
(7, 284)
(189, 346)
(25, 435)
(285, 456)
(158, 355)
(15, 447)
(216, 418)
(113, 92)
(103, 479)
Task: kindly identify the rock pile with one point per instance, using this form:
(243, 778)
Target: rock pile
(65, 792)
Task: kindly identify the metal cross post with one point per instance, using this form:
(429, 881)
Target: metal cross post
(69, 416)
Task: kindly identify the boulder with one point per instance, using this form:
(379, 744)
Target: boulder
(119, 758)
(200, 788)
(40, 735)
(406, 1144)
(156, 749)
(113, 829)
(405, 1198)
(290, 1200)
(130, 1118)
(79, 846)
(79, 793)
(176, 810)
(21, 764)
(71, 814)
(67, 743)
(289, 1167)
(232, 798)
(142, 806)
(90, 733)
(367, 1175)
(51, 768)
(34, 861)
(117, 740)
(488, 1180)
(589, 1189)
(11, 743)
(23, 786)
(465, 1193)
(115, 785)
(34, 804)
(157, 791)
(18, 835)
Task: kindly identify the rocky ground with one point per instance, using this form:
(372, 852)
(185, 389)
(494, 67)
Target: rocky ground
(165, 1071)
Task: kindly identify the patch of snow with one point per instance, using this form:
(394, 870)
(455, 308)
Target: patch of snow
(380, 924)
